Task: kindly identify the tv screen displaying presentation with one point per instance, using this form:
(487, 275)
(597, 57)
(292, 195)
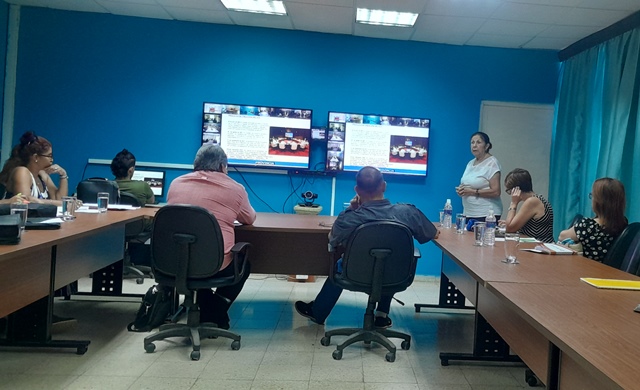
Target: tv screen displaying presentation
(396, 145)
(155, 179)
(259, 136)
(318, 133)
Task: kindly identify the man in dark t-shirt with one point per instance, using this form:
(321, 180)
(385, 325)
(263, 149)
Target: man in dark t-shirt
(368, 205)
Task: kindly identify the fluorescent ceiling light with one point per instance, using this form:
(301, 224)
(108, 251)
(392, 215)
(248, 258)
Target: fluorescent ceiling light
(386, 18)
(258, 6)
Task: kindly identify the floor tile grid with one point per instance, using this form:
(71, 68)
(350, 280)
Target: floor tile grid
(280, 349)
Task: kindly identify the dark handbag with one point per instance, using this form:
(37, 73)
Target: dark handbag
(9, 229)
(154, 309)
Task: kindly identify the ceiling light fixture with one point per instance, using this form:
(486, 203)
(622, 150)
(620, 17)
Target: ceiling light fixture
(270, 7)
(386, 18)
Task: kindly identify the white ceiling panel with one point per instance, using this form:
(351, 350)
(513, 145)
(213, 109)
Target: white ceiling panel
(134, 9)
(321, 18)
(199, 15)
(534, 24)
(260, 20)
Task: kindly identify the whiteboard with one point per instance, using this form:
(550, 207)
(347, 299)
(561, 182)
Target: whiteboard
(521, 137)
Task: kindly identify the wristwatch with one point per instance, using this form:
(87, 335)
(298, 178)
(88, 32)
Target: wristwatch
(477, 192)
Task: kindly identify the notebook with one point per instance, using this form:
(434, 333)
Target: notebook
(551, 249)
(617, 284)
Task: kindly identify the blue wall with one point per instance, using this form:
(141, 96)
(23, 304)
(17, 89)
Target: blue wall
(95, 83)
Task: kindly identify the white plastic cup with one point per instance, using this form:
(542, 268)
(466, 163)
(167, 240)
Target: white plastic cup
(511, 243)
(21, 209)
(68, 207)
(103, 202)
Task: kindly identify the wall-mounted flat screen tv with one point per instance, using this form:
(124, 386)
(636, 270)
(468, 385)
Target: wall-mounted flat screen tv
(259, 136)
(393, 144)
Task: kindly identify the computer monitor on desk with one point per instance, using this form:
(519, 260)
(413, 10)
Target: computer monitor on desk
(155, 179)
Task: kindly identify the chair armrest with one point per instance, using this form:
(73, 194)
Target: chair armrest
(240, 250)
(416, 253)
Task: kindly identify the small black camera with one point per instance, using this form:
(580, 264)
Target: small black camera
(309, 197)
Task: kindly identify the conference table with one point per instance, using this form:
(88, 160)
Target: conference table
(46, 260)
(290, 244)
(570, 334)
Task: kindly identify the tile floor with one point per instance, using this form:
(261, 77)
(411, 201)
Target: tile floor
(280, 349)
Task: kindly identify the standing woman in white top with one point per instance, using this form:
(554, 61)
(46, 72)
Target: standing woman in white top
(28, 171)
(480, 183)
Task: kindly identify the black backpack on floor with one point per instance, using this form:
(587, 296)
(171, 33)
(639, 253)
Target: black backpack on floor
(154, 310)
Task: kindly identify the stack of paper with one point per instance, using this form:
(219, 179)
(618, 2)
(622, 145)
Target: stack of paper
(617, 284)
(551, 249)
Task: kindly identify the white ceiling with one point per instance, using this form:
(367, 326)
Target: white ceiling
(528, 24)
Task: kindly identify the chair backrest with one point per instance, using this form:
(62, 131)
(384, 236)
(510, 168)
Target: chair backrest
(186, 246)
(130, 199)
(624, 251)
(385, 246)
(575, 219)
(87, 190)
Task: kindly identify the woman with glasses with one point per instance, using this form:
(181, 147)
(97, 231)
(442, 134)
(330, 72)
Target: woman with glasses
(597, 234)
(534, 218)
(28, 171)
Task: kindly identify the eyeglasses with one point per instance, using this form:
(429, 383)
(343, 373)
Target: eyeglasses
(50, 155)
(590, 195)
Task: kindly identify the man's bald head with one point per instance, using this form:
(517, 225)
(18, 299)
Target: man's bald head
(369, 182)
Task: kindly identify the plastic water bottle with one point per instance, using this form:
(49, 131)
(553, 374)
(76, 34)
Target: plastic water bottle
(490, 232)
(448, 212)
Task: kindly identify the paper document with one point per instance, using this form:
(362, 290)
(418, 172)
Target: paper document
(551, 249)
(617, 284)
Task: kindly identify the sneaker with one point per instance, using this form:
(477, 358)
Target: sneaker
(305, 310)
(382, 322)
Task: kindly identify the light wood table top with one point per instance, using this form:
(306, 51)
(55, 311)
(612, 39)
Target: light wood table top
(597, 328)
(485, 264)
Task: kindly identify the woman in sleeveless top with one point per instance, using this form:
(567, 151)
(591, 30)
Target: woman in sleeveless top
(535, 216)
(28, 171)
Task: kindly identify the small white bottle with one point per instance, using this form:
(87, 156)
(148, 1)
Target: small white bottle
(448, 212)
(490, 232)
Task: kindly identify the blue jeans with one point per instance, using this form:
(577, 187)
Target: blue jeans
(329, 295)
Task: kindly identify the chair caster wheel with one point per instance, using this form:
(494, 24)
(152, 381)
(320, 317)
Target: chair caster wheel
(325, 341)
(531, 378)
(139, 280)
(235, 345)
(444, 362)
(195, 355)
(81, 350)
(337, 354)
(390, 357)
(405, 345)
(150, 347)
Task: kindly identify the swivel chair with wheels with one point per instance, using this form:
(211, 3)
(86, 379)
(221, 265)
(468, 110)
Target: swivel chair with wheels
(187, 250)
(616, 254)
(135, 235)
(379, 259)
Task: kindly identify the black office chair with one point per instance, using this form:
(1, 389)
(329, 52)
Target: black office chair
(135, 235)
(379, 259)
(616, 254)
(187, 250)
(87, 190)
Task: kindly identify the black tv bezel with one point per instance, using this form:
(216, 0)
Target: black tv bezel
(257, 164)
(382, 169)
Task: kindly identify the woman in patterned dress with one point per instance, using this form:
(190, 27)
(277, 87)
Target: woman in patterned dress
(535, 216)
(597, 234)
